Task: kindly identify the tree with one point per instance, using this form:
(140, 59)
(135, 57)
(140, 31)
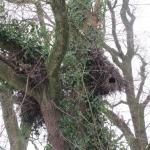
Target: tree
(18, 137)
(44, 68)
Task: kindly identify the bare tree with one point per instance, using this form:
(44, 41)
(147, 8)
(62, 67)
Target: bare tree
(137, 139)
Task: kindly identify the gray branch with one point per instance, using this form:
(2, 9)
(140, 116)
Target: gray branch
(122, 126)
(125, 10)
(113, 53)
(114, 33)
(143, 76)
(22, 2)
(147, 100)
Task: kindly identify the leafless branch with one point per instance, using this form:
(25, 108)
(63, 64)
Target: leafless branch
(147, 100)
(35, 146)
(114, 33)
(22, 2)
(120, 123)
(110, 49)
(143, 77)
(131, 15)
(61, 37)
(125, 10)
(120, 137)
(147, 126)
(114, 105)
(48, 18)
(113, 53)
(115, 3)
(120, 102)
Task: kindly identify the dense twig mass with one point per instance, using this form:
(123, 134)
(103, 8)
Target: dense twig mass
(103, 77)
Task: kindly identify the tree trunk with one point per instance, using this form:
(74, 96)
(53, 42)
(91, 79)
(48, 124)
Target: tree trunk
(136, 110)
(17, 140)
(51, 118)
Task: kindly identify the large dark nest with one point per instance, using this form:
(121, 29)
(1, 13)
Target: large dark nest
(27, 61)
(30, 110)
(33, 69)
(102, 77)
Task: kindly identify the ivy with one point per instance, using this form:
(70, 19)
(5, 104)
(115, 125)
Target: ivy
(24, 35)
(83, 122)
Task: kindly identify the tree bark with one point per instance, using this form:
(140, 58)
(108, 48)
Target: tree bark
(51, 118)
(136, 110)
(17, 140)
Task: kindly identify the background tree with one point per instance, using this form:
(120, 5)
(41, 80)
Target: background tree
(44, 65)
(123, 55)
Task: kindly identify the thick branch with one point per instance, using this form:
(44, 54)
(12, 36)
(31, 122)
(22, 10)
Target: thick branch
(122, 126)
(120, 102)
(114, 105)
(16, 138)
(113, 53)
(49, 18)
(110, 49)
(60, 46)
(143, 76)
(50, 94)
(9, 75)
(125, 10)
(61, 37)
(114, 33)
(51, 117)
(40, 14)
(25, 130)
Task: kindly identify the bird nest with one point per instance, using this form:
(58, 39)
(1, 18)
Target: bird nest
(102, 76)
(30, 111)
(33, 69)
